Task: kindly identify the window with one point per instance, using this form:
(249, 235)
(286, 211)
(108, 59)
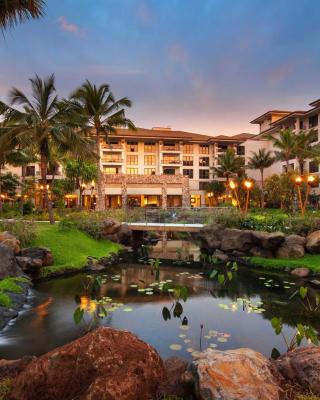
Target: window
(188, 148)
(30, 170)
(171, 160)
(188, 172)
(132, 147)
(149, 147)
(132, 171)
(169, 171)
(111, 157)
(149, 171)
(240, 150)
(203, 185)
(222, 148)
(313, 121)
(132, 160)
(188, 161)
(111, 170)
(204, 149)
(313, 167)
(204, 162)
(203, 174)
(149, 160)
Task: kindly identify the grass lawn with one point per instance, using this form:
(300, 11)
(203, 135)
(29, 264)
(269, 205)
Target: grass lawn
(311, 261)
(70, 247)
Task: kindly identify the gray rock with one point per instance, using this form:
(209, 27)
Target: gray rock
(236, 239)
(260, 252)
(292, 247)
(8, 263)
(266, 240)
(39, 253)
(315, 282)
(221, 256)
(9, 240)
(301, 272)
(211, 236)
(313, 242)
(302, 366)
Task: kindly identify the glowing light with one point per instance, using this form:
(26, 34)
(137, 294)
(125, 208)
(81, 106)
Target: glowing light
(232, 185)
(311, 179)
(247, 184)
(298, 180)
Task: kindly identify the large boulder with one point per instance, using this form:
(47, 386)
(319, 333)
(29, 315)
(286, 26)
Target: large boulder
(105, 364)
(292, 247)
(236, 239)
(9, 240)
(210, 236)
(38, 256)
(313, 242)
(110, 226)
(302, 366)
(260, 252)
(116, 232)
(8, 263)
(266, 240)
(241, 374)
(178, 382)
(301, 272)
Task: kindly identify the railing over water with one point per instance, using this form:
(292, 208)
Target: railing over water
(203, 215)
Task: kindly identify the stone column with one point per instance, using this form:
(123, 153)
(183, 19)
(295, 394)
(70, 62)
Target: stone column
(124, 194)
(185, 192)
(164, 195)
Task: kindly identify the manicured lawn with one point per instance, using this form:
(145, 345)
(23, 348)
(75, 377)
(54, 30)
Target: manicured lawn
(70, 247)
(311, 261)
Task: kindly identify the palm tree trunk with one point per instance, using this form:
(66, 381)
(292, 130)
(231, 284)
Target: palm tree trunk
(301, 165)
(48, 203)
(1, 203)
(262, 188)
(23, 175)
(287, 165)
(100, 177)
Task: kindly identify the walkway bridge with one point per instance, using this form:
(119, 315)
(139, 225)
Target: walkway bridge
(171, 219)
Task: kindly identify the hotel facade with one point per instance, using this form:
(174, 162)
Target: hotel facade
(157, 167)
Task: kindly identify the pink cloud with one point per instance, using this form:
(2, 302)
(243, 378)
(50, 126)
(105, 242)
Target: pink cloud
(280, 73)
(66, 26)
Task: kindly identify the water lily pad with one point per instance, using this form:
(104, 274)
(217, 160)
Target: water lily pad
(127, 309)
(187, 340)
(213, 345)
(182, 335)
(175, 347)
(190, 350)
(196, 354)
(184, 327)
(222, 339)
(133, 285)
(141, 290)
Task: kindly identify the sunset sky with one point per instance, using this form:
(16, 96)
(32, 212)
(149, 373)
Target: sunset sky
(206, 66)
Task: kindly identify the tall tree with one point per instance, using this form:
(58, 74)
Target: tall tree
(260, 161)
(43, 123)
(285, 146)
(13, 12)
(101, 115)
(304, 148)
(229, 164)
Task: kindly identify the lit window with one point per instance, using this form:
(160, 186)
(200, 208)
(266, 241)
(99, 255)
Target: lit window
(149, 160)
(188, 161)
(149, 171)
(204, 149)
(132, 171)
(132, 160)
(149, 147)
(188, 148)
(132, 147)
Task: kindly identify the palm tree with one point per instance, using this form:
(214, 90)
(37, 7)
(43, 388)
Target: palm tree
(101, 114)
(13, 12)
(261, 160)
(303, 147)
(44, 123)
(229, 164)
(286, 144)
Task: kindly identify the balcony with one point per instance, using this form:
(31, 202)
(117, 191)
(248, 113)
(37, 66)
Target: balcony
(112, 160)
(174, 162)
(171, 149)
(112, 147)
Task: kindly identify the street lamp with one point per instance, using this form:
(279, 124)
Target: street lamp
(309, 180)
(248, 186)
(233, 186)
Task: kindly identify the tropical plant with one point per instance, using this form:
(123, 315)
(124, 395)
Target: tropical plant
(80, 172)
(285, 145)
(44, 123)
(303, 147)
(260, 161)
(101, 115)
(13, 12)
(217, 188)
(9, 183)
(229, 164)
(280, 190)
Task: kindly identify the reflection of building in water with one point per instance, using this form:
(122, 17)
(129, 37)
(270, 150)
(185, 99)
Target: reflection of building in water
(175, 250)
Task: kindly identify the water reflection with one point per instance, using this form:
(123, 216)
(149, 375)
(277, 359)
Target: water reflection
(219, 316)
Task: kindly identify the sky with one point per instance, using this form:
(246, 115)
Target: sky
(206, 66)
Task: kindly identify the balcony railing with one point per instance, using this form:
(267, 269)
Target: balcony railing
(113, 160)
(171, 162)
(171, 148)
(111, 147)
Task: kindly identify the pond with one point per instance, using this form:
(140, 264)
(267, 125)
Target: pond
(236, 314)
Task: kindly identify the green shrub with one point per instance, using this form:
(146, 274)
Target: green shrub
(25, 231)
(5, 300)
(5, 388)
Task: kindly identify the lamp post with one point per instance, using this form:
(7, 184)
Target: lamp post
(248, 186)
(309, 180)
(233, 186)
(83, 187)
